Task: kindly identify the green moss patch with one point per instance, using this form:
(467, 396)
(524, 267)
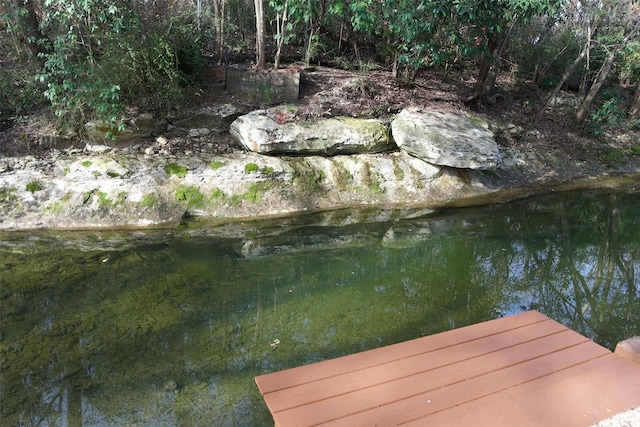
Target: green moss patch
(217, 194)
(398, 172)
(176, 169)
(266, 169)
(189, 194)
(7, 195)
(56, 207)
(217, 164)
(253, 194)
(102, 198)
(255, 191)
(251, 167)
(34, 186)
(149, 200)
(87, 196)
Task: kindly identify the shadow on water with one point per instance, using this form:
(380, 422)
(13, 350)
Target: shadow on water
(169, 328)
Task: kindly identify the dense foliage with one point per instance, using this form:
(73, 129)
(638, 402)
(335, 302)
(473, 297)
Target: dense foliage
(93, 58)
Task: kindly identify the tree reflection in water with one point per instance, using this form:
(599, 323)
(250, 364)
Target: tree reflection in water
(169, 329)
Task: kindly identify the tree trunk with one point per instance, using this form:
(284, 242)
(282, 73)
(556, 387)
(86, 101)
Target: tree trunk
(486, 82)
(601, 77)
(541, 70)
(635, 107)
(483, 73)
(282, 28)
(261, 36)
(310, 31)
(218, 11)
(564, 78)
(29, 25)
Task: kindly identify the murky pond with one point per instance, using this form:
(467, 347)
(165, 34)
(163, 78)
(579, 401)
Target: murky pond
(169, 328)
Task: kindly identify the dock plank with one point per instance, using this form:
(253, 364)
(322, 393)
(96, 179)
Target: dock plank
(581, 395)
(405, 399)
(269, 383)
(434, 363)
(501, 372)
(461, 393)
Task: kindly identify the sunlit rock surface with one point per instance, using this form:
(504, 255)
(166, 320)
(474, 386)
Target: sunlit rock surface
(446, 139)
(102, 186)
(273, 131)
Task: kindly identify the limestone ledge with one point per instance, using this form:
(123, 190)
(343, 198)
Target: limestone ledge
(88, 189)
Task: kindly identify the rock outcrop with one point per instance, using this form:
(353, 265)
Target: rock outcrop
(100, 186)
(112, 189)
(273, 131)
(446, 139)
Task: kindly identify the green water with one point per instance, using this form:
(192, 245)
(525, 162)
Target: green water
(169, 328)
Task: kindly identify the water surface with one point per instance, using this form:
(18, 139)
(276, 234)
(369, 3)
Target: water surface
(169, 328)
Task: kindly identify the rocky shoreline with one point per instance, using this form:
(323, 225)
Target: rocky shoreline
(77, 189)
(102, 186)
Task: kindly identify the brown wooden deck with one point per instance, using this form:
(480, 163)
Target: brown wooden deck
(519, 370)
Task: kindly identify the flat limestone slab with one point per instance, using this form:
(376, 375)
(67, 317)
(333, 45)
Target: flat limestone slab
(524, 369)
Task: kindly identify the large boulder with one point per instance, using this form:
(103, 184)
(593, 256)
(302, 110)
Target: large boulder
(273, 131)
(446, 139)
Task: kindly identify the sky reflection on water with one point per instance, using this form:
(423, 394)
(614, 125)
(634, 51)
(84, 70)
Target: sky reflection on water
(170, 329)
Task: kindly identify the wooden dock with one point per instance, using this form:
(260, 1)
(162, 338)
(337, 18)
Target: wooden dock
(519, 370)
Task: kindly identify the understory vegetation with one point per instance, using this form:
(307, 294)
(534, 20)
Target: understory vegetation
(95, 59)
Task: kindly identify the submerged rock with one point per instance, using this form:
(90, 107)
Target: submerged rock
(446, 139)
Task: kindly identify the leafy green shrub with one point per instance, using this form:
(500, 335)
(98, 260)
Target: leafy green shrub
(612, 156)
(189, 55)
(610, 113)
(147, 74)
(594, 128)
(161, 63)
(77, 86)
(102, 56)
(19, 93)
